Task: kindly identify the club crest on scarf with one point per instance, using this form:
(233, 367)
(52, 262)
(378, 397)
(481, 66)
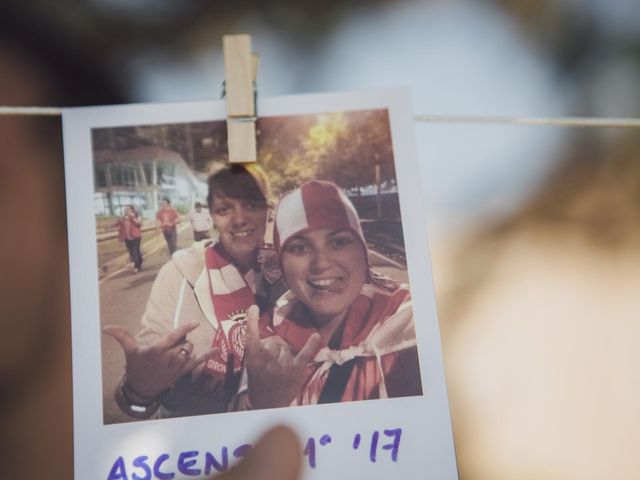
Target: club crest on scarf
(230, 339)
(232, 294)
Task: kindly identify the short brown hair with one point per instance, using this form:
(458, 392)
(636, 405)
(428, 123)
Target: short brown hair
(240, 182)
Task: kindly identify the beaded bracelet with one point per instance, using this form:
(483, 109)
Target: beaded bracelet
(135, 408)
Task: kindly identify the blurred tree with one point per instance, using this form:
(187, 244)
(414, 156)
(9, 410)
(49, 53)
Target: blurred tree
(343, 147)
(363, 142)
(280, 151)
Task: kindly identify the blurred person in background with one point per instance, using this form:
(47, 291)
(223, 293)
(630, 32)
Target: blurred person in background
(38, 68)
(129, 233)
(200, 220)
(166, 220)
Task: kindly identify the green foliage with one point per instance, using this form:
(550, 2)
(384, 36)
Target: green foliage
(343, 147)
(182, 208)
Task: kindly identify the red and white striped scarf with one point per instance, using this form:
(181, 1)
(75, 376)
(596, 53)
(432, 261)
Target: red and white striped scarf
(231, 294)
(379, 322)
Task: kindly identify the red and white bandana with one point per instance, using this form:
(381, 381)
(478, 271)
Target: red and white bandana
(378, 325)
(316, 204)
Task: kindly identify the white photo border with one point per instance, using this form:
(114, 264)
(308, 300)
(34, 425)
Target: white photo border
(427, 449)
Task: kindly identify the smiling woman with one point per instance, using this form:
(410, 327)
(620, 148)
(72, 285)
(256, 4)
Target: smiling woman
(239, 211)
(187, 359)
(342, 332)
(326, 269)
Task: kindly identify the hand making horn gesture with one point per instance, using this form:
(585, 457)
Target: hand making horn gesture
(275, 375)
(153, 368)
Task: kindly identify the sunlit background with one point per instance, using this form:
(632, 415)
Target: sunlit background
(534, 231)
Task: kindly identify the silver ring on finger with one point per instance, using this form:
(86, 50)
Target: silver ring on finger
(183, 353)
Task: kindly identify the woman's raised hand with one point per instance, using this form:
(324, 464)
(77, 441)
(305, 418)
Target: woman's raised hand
(275, 375)
(153, 368)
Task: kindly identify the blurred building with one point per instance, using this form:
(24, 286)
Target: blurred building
(142, 165)
(143, 177)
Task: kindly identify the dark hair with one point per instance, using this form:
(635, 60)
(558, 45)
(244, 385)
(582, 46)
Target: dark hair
(166, 199)
(247, 182)
(197, 204)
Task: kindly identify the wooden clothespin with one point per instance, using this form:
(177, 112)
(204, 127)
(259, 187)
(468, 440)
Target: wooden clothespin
(240, 68)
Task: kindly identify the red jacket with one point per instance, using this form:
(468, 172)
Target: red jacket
(167, 217)
(129, 227)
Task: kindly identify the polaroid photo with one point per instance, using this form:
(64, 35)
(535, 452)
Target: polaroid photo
(212, 300)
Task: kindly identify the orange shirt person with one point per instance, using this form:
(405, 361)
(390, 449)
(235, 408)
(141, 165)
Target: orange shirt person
(166, 220)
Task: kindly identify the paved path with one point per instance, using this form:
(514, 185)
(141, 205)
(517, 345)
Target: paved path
(123, 297)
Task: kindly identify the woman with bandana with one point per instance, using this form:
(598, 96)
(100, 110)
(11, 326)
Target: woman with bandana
(341, 332)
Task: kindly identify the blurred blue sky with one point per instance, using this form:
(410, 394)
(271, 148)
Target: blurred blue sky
(457, 57)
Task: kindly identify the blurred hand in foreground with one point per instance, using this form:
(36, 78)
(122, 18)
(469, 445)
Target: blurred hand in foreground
(276, 456)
